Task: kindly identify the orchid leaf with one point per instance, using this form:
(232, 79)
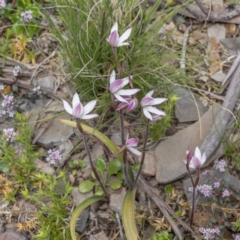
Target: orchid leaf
(110, 145)
(83, 205)
(128, 215)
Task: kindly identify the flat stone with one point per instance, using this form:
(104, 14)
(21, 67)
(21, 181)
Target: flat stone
(79, 197)
(149, 166)
(171, 152)
(55, 106)
(188, 107)
(57, 133)
(116, 200)
(218, 76)
(82, 220)
(100, 236)
(48, 82)
(65, 148)
(44, 167)
(12, 236)
(231, 44)
(217, 32)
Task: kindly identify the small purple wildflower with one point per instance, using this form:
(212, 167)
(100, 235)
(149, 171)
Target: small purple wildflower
(216, 184)
(16, 71)
(225, 193)
(37, 90)
(54, 156)
(205, 172)
(26, 16)
(10, 134)
(221, 165)
(209, 233)
(2, 4)
(205, 189)
(9, 104)
(237, 237)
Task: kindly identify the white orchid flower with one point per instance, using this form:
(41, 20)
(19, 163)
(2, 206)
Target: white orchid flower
(116, 86)
(77, 109)
(197, 160)
(114, 40)
(150, 112)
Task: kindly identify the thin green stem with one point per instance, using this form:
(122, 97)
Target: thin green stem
(90, 157)
(143, 152)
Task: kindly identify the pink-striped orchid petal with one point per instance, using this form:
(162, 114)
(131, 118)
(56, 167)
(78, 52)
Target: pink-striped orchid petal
(75, 100)
(132, 105)
(89, 106)
(132, 142)
(146, 101)
(128, 92)
(89, 116)
(122, 105)
(112, 77)
(134, 151)
(78, 111)
(155, 110)
(67, 107)
(124, 37)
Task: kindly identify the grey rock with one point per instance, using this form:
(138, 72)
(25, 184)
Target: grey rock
(66, 148)
(12, 236)
(217, 32)
(91, 237)
(100, 236)
(82, 220)
(171, 152)
(44, 167)
(149, 166)
(79, 197)
(218, 76)
(57, 133)
(48, 82)
(32, 117)
(231, 44)
(55, 106)
(116, 200)
(187, 106)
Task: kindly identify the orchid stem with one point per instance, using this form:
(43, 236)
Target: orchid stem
(125, 162)
(117, 63)
(193, 195)
(90, 157)
(143, 152)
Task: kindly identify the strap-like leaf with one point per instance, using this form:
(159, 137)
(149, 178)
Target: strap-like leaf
(83, 205)
(110, 145)
(128, 215)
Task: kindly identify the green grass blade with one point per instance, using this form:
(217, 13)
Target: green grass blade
(128, 215)
(83, 205)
